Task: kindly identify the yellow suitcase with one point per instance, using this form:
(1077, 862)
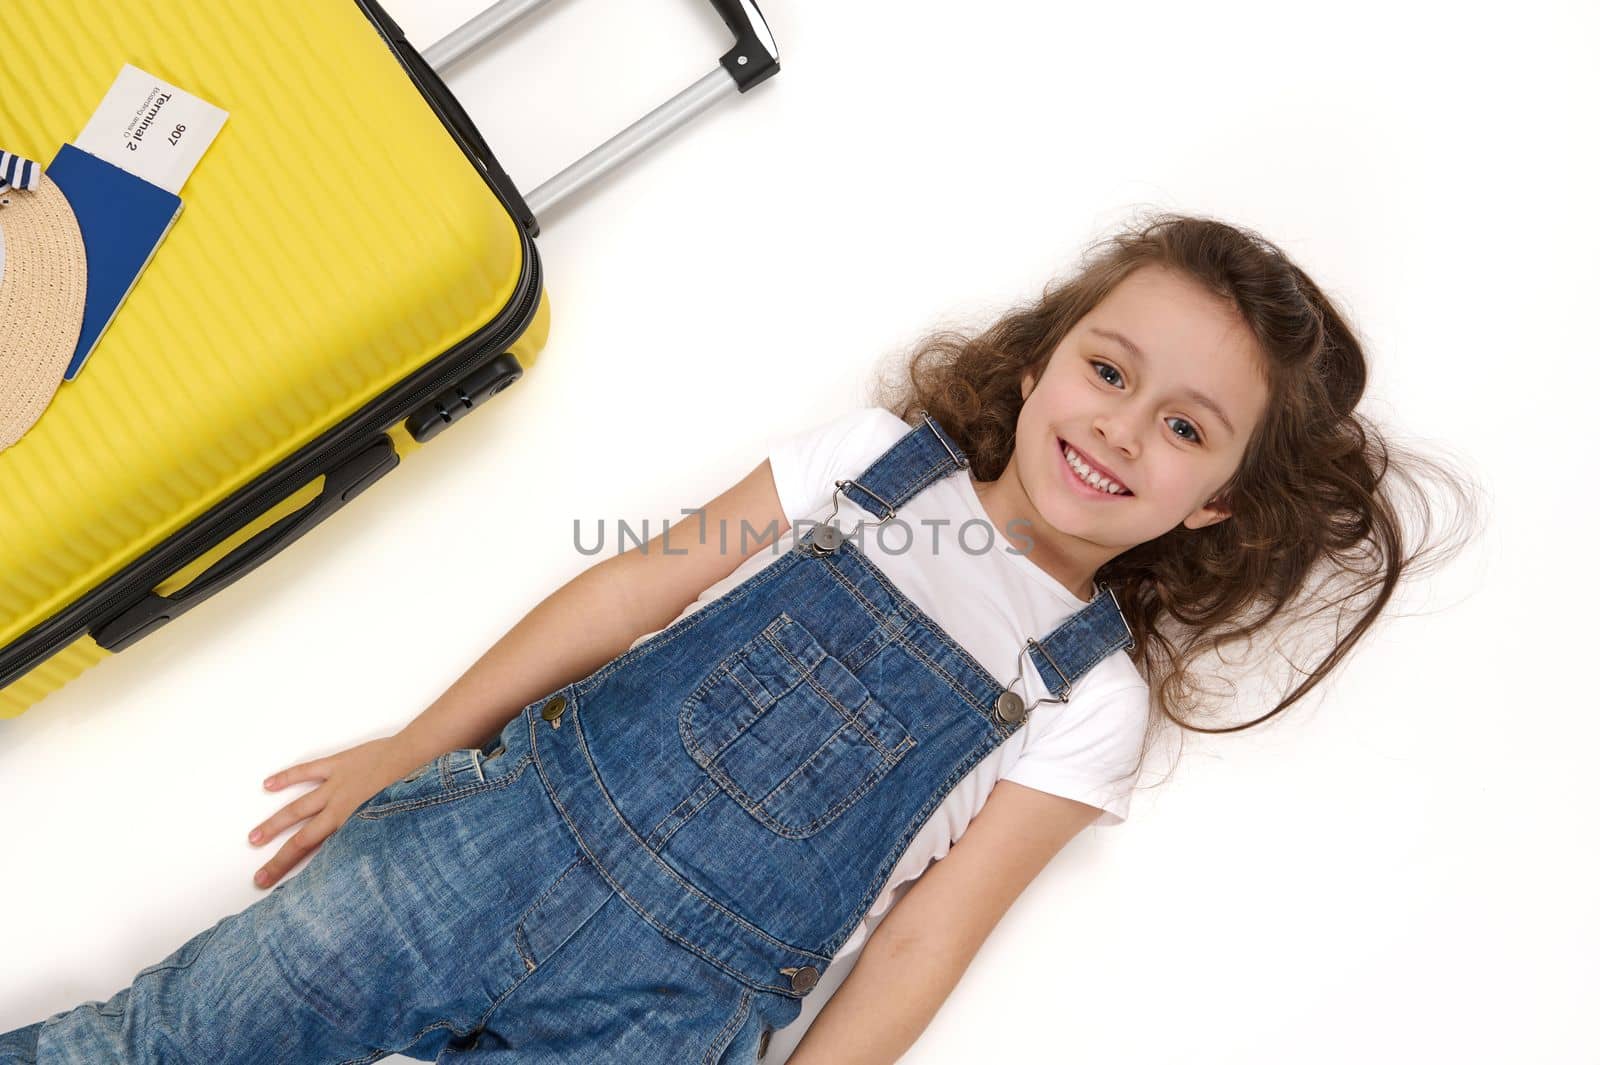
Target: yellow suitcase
(304, 325)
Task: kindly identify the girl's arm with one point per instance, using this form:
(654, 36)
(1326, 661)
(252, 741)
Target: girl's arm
(579, 627)
(914, 957)
(595, 616)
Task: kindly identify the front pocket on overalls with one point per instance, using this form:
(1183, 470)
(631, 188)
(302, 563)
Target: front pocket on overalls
(455, 774)
(788, 732)
(446, 777)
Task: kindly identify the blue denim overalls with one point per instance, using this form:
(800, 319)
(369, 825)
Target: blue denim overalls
(651, 865)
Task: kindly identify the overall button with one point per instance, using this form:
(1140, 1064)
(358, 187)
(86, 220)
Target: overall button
(553, 710)
(766, 1037)
(802, 979)
(1008, 707)
(827, 537)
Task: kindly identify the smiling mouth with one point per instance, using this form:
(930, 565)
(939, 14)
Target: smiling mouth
(1079, 469)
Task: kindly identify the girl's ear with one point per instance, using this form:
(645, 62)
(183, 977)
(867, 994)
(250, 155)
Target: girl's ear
(1209, 514)
(1027, 383)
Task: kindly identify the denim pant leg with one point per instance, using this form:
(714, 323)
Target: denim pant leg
(392, 938)
(607, 988)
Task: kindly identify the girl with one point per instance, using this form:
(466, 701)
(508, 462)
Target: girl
(746, 758)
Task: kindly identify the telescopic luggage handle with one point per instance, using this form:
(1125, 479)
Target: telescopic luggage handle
(752, 60)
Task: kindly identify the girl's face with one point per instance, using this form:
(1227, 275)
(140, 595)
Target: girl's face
(1127, 390)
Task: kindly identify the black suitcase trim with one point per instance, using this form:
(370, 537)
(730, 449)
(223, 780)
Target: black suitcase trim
(338, 445)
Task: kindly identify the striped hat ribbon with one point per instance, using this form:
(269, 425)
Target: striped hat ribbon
(17, 172)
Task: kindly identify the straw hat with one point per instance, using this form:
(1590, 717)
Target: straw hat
(43, 280)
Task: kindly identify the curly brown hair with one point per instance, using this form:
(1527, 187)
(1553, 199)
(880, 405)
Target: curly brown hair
(1314, 491)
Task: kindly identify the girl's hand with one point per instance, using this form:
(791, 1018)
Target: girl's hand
(348, 779)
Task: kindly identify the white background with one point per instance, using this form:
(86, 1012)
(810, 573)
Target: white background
(1404, 869)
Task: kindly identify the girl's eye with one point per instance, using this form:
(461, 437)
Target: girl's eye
(1108, 366)
(1195, 438)
(1098, 366)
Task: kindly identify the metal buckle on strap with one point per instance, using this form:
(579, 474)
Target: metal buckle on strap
(960, 460)
(828, 537)
(1008, 707)
(1120, 615)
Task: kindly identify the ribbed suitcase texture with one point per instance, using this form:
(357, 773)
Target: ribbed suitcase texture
(338, 248)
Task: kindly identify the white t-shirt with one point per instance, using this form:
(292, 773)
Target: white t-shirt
(954, 564)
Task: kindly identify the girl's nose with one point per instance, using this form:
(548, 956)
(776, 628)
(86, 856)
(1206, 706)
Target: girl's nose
(1117, 433)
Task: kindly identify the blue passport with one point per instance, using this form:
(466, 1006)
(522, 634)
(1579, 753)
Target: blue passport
(123, 219)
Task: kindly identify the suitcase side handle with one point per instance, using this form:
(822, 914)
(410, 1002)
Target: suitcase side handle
(752, 60)
(342, 483)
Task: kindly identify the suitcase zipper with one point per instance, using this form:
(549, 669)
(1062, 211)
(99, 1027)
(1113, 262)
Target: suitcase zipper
(136, 581)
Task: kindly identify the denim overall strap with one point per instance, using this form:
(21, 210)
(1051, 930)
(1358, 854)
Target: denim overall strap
(913, 462)
(1063, 657)
(1076, 646)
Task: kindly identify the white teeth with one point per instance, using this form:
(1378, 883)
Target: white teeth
(1087, 473)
